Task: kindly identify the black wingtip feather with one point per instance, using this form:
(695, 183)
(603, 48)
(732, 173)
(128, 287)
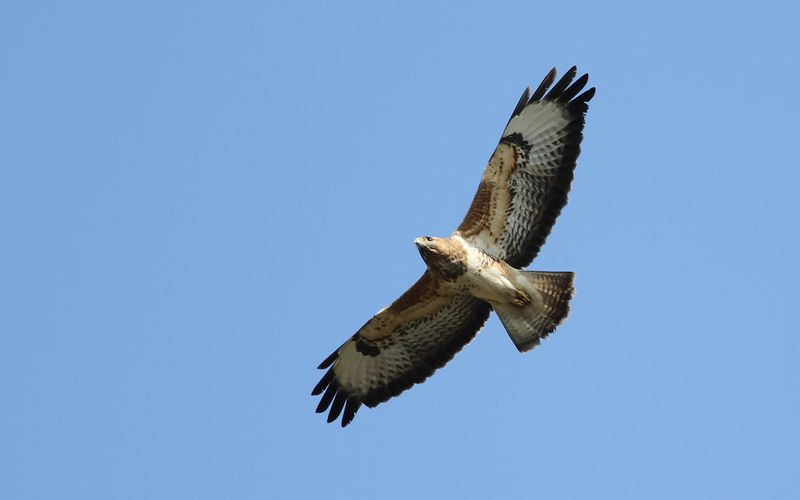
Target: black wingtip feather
(562, 84)
(327, 397)
(336, 407)
(586, 96)
(329, 360)
(350, 408)
(521, 104)
(336, 395)
(542, 88)
(323, 383)
(573, 89)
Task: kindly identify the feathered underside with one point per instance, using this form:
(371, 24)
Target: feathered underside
(522, 191)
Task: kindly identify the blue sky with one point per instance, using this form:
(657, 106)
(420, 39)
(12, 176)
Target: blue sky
(199, 201)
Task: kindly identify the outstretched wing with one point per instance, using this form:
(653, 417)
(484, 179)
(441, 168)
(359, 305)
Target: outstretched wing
(400, 346)
(525, 184)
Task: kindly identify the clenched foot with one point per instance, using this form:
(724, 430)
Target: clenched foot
(521, 299)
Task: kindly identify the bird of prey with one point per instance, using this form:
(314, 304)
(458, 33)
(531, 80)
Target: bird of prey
(478, 268)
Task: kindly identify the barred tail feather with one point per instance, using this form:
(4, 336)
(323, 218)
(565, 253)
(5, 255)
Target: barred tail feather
(528, 325)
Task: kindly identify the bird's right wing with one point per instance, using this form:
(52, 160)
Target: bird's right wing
(400, 346)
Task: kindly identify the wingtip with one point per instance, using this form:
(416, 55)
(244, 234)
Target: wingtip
(526, 94)
(350, 408)
(327, 398)
(570, 92)
(548, 80)
(337, 406)
(327, 362)
(323, 383)
(587, 95)
(562, 84)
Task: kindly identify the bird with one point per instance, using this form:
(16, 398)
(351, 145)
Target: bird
(479, 268)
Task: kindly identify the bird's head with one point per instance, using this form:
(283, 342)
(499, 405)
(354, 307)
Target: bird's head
(432, 249)
(442, 255)
(429, 245)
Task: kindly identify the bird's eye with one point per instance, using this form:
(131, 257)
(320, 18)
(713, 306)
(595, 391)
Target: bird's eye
(428, 238)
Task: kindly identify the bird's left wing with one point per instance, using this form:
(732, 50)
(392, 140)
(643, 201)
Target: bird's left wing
(525, 184)
(400, 346)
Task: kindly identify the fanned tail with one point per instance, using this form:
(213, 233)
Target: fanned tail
(528, 325)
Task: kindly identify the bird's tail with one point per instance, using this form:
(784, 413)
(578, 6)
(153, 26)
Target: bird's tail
(528, 324)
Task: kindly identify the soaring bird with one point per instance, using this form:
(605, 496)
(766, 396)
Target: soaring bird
(478, 268)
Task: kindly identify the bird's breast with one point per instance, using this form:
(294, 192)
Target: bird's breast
(487, 278)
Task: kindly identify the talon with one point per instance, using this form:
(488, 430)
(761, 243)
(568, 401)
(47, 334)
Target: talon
(522, 299)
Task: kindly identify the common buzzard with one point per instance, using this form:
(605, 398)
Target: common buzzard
(478, 268)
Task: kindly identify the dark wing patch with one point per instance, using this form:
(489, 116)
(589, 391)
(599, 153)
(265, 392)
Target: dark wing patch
(525, 185)
(410, 354)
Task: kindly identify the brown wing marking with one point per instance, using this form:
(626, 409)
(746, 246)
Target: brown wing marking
(420, 300)
(486, 214)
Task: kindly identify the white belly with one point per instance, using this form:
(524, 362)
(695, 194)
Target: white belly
(488, 279)
(492, 286)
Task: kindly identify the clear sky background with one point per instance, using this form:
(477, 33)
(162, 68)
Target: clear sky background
(199, 201)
